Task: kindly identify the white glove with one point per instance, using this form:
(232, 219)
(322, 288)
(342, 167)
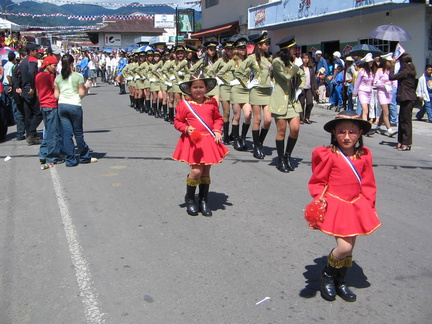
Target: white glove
(234, 82)
(169, 84)
(143, 78)
(252, 84)
(129, 78)
(152, 80)
(219, 81)
(136, 78)
(298, 62)
(172, 78)
(180, 73)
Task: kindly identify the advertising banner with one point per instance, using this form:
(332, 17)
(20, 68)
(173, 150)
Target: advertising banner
(113, 39)
(164, 21)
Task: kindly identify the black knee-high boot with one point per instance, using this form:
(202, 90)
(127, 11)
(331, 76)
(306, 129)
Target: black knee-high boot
(328, 274)
(171, 115)
(165, 112)
(257, 153)
(155, 106)
(191, 206)
(341, 288)
(140, 105)
(149, 104)
(289, 148)
(204, 187)
(131, 98)
(143, 107)
(226, 137)
(237, 141)
(262, 136)
(245, 128)
(136, 101)
(282, 165)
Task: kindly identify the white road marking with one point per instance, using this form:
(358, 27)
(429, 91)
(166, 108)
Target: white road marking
(88, 293)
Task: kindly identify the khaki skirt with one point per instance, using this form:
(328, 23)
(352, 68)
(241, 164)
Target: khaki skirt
(239, 95)
(260, 96)
(225, 92)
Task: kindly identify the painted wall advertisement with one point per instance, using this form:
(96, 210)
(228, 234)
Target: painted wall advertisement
(285, 11)
(113, 39)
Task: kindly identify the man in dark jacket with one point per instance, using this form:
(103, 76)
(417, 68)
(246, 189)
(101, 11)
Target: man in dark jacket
(27, 71)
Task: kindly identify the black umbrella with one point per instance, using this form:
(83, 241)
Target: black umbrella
(363, 49)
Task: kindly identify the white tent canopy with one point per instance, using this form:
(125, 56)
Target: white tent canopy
(6, 24)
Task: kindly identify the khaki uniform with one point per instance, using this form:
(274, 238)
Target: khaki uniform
(283, 102)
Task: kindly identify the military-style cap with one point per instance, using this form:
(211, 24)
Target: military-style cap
(179, 48)
(242, 41)
(228, 44)
(262, 39)
(190, 48)
(287, 42)
(211, 44)
(158, 52)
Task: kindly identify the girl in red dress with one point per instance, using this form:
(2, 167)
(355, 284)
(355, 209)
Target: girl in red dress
(344, 172)
(199, 121)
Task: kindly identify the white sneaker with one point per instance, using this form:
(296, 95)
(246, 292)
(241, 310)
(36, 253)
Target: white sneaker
(390, 132)
(93, 160)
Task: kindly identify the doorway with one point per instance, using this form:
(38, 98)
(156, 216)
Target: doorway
(328, 48)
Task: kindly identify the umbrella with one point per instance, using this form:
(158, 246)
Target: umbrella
(131, 47)
(363, 49)
(145, 48)
(108, 50)
(236, 37)
(390, 33)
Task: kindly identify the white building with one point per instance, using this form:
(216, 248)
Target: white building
(328, 25)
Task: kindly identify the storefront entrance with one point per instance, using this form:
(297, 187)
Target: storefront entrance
(328, 48)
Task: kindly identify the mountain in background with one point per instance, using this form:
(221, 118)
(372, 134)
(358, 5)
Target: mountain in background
(35, 8)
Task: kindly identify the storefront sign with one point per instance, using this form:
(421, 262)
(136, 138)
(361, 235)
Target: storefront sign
(286, 11)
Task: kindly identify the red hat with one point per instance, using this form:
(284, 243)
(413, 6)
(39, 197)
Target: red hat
(49, 60)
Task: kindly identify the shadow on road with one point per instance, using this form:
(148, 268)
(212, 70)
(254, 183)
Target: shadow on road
(355, 278)
(217, 201)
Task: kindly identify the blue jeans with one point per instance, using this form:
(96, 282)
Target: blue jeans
(393, 109)
(336, 95)
(71, 120)
(350, 105)
(426, 108)
(18, 116)
(52, 142)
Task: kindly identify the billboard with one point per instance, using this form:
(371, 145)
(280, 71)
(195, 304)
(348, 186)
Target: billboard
(186, 21)
(113, 39)
(164, 21)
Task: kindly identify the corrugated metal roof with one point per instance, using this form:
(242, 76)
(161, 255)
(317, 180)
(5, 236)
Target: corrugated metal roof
(139, 25)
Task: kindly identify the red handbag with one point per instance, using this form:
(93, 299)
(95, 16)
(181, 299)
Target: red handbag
(315, 211)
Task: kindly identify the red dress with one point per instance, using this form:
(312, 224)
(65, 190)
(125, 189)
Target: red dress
(350, 206)
(206, 151)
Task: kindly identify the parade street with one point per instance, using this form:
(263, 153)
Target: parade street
(111, 242)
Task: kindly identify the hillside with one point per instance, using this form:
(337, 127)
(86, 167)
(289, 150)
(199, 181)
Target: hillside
(36, 8)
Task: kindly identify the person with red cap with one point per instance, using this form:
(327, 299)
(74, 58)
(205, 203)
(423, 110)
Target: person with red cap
(49, 152)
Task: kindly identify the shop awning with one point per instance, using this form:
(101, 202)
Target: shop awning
(217, 30)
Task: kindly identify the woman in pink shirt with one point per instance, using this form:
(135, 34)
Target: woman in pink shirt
(385, 92)
(363, 85)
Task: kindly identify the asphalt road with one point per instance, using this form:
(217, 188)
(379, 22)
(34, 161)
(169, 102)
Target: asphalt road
(111, 242)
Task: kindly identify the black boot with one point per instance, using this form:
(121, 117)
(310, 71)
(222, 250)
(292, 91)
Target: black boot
(341, 288)
(165, 112)
(328, 274)
(150, 104)
(257, 153)
(262, 136)
(245, 128)
(203, 196)
(136, 106)
(140, 105)
(289, 148)
(171, 115)
(238, 145)
(132, 99)
(226, 137)
(191, 206)
(156, 109)
(282, 165)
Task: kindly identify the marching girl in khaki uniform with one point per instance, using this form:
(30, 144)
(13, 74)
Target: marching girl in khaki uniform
(146, 71)
(225, 89)
(139, 78)
(163, 83)
(206, 64)
(239, 94)
(169, 69)
(284, 106)
(130, 83)
(260, 92)
(155, 83)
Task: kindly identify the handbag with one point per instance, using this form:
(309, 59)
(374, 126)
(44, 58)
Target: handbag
(315, 211)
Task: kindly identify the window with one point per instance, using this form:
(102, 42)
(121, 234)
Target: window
(211, 3)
